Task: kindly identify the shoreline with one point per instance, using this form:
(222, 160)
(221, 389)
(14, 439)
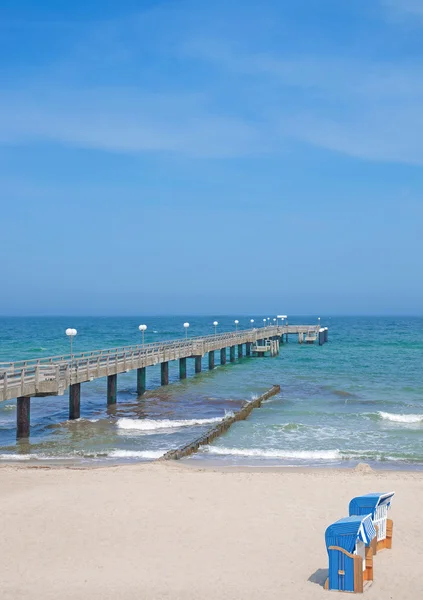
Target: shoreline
(202, 466)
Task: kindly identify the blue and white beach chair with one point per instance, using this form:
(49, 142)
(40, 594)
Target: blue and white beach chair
(350, 556)
(377, 504)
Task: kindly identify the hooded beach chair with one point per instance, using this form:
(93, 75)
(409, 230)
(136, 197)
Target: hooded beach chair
(350, 555)
(377, 505)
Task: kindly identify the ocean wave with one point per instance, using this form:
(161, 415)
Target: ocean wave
(153, 424)
(400, 418)
(314, 455)
(15, 457)
(289, 427)
(148, 454)
(20, 457)
(273, 453)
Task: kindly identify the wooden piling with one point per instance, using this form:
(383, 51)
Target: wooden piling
(232, 353)
(74, 401)
(221, 427)
(23, 413)
(198, 364)
(164, 373)
(223, 356)
(240, 350)
(182, 368)
(111, 389)
(248, 349)
(211, 359)
(141, 378)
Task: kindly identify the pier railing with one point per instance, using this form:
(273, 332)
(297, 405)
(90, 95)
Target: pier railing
(52, 375)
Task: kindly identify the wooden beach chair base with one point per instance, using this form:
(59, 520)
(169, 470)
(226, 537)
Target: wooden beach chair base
(387, 542)
(361, 578)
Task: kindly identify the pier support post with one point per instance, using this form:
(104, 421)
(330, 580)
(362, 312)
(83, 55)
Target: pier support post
(198, 364)
(141, 377)
(248, 349)
(240, 351)
(74, 401)
(211, 359)
(223, 356)
(232, 353)
(111, 389)
(23, 410)
(164, 373)
(182, 368)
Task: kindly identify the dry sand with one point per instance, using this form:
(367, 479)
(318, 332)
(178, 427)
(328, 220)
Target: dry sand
(171, 531)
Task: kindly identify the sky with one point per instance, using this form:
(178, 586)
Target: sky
(225, 157)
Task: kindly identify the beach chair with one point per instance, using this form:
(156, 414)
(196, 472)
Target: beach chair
(350, 555)
(377, 505)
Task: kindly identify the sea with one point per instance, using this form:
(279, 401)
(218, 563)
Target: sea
(358, 398)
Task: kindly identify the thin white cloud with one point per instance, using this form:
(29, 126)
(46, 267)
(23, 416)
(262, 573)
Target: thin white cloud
(370, 110)
(410, 7)
(125, 120)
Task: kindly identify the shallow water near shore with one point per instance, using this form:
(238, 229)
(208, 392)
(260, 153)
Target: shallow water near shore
(358, 398)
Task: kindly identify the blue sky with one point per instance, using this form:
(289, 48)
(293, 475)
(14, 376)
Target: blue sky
(224, 157)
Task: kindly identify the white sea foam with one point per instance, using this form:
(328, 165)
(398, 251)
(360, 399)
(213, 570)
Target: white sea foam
(15, 456)
(401, 418)
(272, 453)
(148, 454)
(153, 424)
(19, 457)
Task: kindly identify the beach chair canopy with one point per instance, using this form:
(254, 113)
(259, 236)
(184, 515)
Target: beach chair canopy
(345, 532)
(363, 505)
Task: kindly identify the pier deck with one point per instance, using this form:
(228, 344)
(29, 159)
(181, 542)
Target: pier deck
(54, 375)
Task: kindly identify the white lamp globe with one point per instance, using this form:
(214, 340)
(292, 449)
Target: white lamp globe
(215, 323)
(71, 332)
(236, 321)
(186, 325)
(142, 327)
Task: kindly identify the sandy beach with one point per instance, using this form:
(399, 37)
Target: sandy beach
(172, 531)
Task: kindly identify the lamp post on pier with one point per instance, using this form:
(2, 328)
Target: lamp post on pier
(142, 328)
(264, 322)
(215, 324)
(236, 324)
(186, 325)
(71, 333)
(252, 323)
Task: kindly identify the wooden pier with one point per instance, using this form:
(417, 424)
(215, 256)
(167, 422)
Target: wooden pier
(54, 375)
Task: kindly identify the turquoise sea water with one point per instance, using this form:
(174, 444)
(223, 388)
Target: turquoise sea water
(357, 398)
